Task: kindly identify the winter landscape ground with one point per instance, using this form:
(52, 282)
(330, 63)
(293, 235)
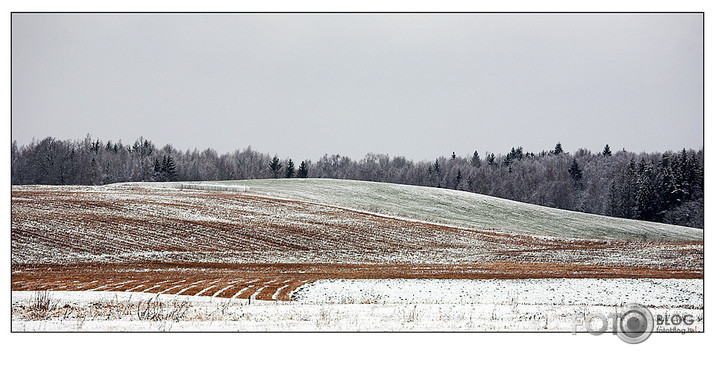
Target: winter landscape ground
(320, 254)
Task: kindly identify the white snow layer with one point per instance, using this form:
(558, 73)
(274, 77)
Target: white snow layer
(382, 305)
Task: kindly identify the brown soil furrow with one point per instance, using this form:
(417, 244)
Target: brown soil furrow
(138, 287)
(246, 292)
(104, 285)
(217, 293)
(154, 288)
(177, 285)
(279, 292)
(188, 288)
(237, 288)
(207, 291)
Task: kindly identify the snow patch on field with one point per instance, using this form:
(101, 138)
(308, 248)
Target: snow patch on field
(378, 305)
(604, 292)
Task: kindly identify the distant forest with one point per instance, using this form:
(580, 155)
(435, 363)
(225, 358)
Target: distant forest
(661, 187)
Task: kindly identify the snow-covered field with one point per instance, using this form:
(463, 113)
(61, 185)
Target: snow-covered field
(464, 209)
(156, 257)
(374, 305)
(651, 292)
(143, 224)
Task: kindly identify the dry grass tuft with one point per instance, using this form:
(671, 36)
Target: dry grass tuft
(155, 310)
(41, 305)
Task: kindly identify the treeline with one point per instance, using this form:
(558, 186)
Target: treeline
(661, 187)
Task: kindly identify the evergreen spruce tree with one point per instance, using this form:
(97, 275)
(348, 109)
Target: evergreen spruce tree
(476, 161)
(641, 166)
(629, 189)
(507, 161)
(607, 150)
(458, 179)
(275, 166)
(437, 176)
(576, 173)
(168, 168)
(491, 159)
(665, 184)
(158, 176)
(646, 202)
(290, 169)
(696, 176)
(302, 170)
(613, 207)
(94, 166)
(516, 153)
(680, 175)
(558, 150)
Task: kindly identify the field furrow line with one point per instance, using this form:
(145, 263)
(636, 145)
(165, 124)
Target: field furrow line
(195, 284)
(117, 287)
(241, 292)
(205, 290)
(157, 285)
(229, 286)
(136, 287)
(177, 285)
(216, 294)
(278, 291)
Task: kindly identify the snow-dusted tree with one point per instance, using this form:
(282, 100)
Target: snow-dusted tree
(290, 168)
(646, 199)
(158, 175)
(558, 149)
(491, 161)
(170, 168)
(476, 161)
(275, 166)
(607, 150)
(575, 172)
(302, 170)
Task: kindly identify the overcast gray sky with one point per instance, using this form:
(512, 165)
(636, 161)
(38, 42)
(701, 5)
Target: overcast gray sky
(418, 85)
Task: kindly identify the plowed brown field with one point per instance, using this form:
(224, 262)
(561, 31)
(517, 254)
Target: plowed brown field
(144, 239)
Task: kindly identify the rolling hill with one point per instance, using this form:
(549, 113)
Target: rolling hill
(464, 209)
(281, 234)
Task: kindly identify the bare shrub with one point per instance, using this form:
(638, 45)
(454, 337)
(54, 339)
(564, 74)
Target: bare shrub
(41, 305)
(155, 310)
